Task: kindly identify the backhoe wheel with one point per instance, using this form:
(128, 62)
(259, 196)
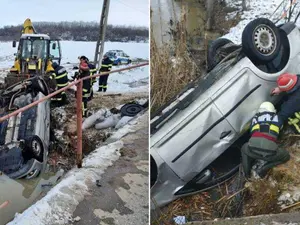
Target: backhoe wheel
(261, 40)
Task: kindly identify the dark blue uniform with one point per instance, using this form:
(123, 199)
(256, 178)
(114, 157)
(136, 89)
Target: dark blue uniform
(61, 77)
(105, 67)
(291, 104)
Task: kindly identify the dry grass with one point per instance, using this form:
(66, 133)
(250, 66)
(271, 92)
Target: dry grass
(169, 74)
(173, 64)
(261, 198)
(195, 207)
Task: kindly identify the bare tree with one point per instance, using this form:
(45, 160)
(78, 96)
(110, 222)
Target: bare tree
(210, 14)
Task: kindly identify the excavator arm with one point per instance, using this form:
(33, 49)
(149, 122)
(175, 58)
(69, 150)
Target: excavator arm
(28, 28)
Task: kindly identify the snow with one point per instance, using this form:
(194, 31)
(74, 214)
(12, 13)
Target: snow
(135, 80)
(256, 8)
(60, 202)
(121, 82)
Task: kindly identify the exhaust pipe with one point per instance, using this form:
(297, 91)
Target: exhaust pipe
(10, 130)
(17, 127)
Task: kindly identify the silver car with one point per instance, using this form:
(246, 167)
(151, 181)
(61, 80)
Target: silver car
(205, 125)
(24, 138)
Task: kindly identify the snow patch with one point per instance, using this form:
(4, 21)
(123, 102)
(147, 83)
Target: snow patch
(256, 8)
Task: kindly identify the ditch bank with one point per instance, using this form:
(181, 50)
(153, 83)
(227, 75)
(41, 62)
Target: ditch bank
(58, 205)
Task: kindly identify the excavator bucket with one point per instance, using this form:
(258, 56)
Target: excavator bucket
(28, 27)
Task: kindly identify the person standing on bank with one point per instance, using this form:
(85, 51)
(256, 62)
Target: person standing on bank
(84, 71)
(105, 67)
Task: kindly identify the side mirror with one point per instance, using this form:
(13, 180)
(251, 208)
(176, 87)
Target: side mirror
(14, 44)
(54, 46)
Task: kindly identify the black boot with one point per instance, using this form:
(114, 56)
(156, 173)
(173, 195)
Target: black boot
(99, 89)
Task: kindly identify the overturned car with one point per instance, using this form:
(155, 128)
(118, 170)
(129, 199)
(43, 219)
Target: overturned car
(196, 137)
(24, 138)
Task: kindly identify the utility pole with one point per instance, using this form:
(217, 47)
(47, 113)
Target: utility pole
(102, 31)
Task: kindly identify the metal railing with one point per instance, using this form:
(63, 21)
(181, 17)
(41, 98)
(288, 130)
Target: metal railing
(78, 83)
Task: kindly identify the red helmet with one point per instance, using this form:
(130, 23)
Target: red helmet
(286, 81)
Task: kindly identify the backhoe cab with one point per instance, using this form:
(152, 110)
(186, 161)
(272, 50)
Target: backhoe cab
(35, 54)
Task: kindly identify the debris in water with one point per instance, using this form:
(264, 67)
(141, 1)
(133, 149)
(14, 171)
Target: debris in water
(98, 183)
(4, 204)
(77, 219)
(47, 185)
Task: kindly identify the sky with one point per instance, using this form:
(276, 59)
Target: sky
(121, 12)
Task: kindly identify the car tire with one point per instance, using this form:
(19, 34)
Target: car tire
(40, 85)
(261, 40)
(34, 146)
(213, 50)
(131, 109)
(129, 61)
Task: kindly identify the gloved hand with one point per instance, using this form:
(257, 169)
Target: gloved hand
(275, 91)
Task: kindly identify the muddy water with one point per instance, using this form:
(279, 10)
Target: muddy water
(165, 13)
(17, 195)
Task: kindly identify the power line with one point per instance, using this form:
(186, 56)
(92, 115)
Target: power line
(133, 7)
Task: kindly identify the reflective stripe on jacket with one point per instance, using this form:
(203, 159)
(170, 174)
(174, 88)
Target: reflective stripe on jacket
(61, 77)
(266, 123)
(106, 65)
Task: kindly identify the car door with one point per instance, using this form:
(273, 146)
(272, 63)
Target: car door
(194, 138)
(240, 97)
(122, 59)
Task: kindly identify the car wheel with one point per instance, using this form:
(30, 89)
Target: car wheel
(39, 84)
(129, 61)
(261, 40)
(213, 57)
(34, 146)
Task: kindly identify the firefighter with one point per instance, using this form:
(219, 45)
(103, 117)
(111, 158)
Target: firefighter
(262, 145)
(105, 67)
(84, 71)
(290, 108)
(93, 71)
(60, 75)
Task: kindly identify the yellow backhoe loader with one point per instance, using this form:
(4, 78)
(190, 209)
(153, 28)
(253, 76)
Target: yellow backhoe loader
(35, 55)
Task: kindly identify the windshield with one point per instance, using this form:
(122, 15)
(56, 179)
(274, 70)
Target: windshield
(32, 48)
(111, 54)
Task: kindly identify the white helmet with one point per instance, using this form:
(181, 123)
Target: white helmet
(266, 107)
